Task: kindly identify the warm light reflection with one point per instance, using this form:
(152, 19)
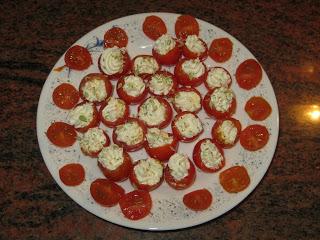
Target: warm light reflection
(313, 113)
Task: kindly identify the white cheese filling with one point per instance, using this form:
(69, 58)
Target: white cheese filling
(114, 109)
(111, 157)
(160, 84)
(93, 140)
(111, 61)
(187, 101)
(152, 112)
(164, 44)
(179, 165)
(188, 125)
(228, 132)
(130, 133)
(145, 65)
(94, 90)
(133, 85)
(158, 138)
(81, 115)
(218, 77)
(194, 68)
(210, 155)
(221, 99)
(148, 171)
(194, 44)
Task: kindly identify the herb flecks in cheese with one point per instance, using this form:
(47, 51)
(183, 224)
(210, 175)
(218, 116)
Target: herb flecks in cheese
(148, 171)
(93, 140)
(145, 65)
(111, 61)
(81, 115)
(194, 44)
(179, 165)
(130, 133)
(218, 77)
(111, 157)
(221, 99)
(114, 109)
(189, 125)
(187, 101)
(94, 90)
(133, 85)
(210, 155)
(228, 132)
(152, 111)
(194, 68)
(158, 138)
(164, 44)
(160, 84)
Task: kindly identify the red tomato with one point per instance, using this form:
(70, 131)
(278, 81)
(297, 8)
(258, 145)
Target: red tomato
(72, 174)
(95, 119)
(115, 37)
(187, 53)
(62, 134)
(212, 111)
(154, 27)
(136, 204)
(254, 137)
(249, 74)
(138, 69)
(171, 58)
(221, 49)
(128, 98)
(198, 160)
(185, 79)
(135, 147)
(167, 74)
(168, 113)
(186, 89)
(198, 200)
(118, 121)
(65, 96)
(186, 25)
(220, 81)
(234, 179)
(105, 192)
(77, 58)
(220, 136)
(95, 154)
(95, 76)
(258, 108)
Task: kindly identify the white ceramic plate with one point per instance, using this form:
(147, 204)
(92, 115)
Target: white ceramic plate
(168, 211)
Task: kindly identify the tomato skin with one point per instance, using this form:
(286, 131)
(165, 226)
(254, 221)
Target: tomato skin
(115, 36)
(186, 25)
(61, 134)
(169, 59)
(206, 83)
(121, 173)
(221, 49)
(78, 58)
(65, 96)
(72, 174)
(105, 192)
(198, 160)
(187, 53)
(187, 89)
(249, 74)
(184, 79)
(144, 75)
(174, 84)
(254, 137)
(234, 179)
(258, 108)
(184, 183)
(217, 136)
(136, 205)
(95, 119)
(154, 27)
(95, 154)
(215, 113)
(117, 122)
(198, 200)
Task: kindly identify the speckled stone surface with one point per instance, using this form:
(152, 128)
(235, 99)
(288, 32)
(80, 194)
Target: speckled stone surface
(283, 35)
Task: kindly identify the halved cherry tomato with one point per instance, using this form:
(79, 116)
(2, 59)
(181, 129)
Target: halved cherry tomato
(221, 137)
(198, 200)
(258, 108)
(145, 65)
(198, 159)
(92, 77)
(190, 107)
(249, 74)
(95, 154)
(162, 92)
(222, 78)
(118, 121)
(72, 174)
(62, 134)
(254, 137)
(77, 58)
(186, 25)
(184, 78)
(136, 204)
(115, 37)
(154, 27)
(171, 58)
(221, 49)
(95, 118)
(234, 179)
(65, 96)
(189, 54)
(105, 192)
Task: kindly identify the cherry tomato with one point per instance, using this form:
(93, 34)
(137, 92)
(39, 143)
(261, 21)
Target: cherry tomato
(93, 123)
(198, 200)
(223, 78)
(161, 92)
(221, 49)
(96, 153)
(118, 121)
(234, 179)
(189, 54)
(186, 25)
(72, 174)
(258, 108)
(77, 58)
(249, 74)
(171, 58)
(136, 204)
(142, 63)
(254, 137)
(190, 107)
(105, 192)
(115, 37)
(184, 78)
(65, 96)
(154, 27)
(62, 134)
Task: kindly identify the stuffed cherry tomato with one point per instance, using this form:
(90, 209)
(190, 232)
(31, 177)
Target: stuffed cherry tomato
(115, 36)
(132, 89)
(162, 83)
(95, 87)
(114, 62)
(195, 47)
(154, 27)
(234, 179)
(186, 25)
(147, 174)
(93, 140)
(220, 103)
(166, 50)
(187, 99)
(160, 144)
(190, 72)
(217, 77)
(130, 135)
(155, 112)
(115, 163)
(65, 96)
(145, 65)
(208, 156)
(84, 116)
(226, 132)
(180, 172)
(186, 126)
(113, 112)
(61, 134)
(78, 58)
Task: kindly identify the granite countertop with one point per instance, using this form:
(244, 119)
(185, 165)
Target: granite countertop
(284, 37)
